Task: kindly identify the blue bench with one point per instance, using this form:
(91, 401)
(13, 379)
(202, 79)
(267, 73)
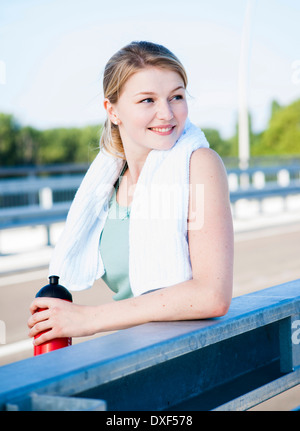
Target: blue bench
(228, 363)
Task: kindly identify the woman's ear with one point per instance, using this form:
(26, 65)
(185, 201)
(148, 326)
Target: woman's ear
(111, 113)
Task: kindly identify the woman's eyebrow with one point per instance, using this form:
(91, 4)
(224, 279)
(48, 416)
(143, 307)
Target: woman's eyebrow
(152, 93)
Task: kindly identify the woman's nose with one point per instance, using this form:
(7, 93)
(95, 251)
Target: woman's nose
(164, 111)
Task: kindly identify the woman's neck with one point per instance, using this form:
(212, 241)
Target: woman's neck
(135, 164)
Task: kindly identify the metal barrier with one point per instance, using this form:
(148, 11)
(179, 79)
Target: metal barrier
(258, 177)
(43, 201)
(228, 363)
(36, 201)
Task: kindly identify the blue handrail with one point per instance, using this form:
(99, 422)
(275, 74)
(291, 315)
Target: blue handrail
(228, 363)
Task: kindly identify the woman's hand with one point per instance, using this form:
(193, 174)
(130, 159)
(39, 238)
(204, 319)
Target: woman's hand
(59, 318)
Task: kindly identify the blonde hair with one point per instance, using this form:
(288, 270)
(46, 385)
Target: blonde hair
(120, 67)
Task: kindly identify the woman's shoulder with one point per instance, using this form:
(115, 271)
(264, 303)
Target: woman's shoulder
(206, 162)
(205, 155)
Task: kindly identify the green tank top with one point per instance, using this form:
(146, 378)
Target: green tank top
(114, 248)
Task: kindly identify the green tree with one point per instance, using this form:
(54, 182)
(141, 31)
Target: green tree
(283, 133)
(73, 145)
(27, 143)
(88, 143)
(58, 146)
(221, 146)
(9, 129)
(275, 107)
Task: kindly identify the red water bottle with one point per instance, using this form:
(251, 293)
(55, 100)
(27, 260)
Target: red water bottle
(53, 290)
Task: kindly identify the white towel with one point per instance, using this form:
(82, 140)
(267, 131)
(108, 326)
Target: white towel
(158, 244)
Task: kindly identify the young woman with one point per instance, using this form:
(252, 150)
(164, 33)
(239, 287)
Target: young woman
(152, 215)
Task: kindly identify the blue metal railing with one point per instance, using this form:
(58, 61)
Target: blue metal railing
(230, 363)
(45, 200)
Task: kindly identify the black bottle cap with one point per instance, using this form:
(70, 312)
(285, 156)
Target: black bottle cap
(53, 279)
(54, 290)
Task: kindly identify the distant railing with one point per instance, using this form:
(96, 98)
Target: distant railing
(43, 170)
(258, 177)
(231, 163)
(36, 201)
(42, 198)
(230, 363)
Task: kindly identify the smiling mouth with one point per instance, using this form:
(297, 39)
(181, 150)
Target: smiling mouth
(166, 129)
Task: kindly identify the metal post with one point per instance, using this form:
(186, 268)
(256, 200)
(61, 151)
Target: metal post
(244, 150)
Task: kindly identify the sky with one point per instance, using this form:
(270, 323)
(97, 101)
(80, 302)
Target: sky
(53, 53)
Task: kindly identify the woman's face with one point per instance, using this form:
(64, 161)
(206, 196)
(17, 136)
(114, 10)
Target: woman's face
(151, 110)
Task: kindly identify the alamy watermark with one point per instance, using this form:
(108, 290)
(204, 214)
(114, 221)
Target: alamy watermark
(295, 78)
(296, 332)
(2, 72)
(2, 332)
(163, 202)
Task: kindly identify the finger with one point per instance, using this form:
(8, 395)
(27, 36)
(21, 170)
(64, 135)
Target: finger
(39, 327)
(35, 306)
(43, 338)
(38, 317)
(41, 303)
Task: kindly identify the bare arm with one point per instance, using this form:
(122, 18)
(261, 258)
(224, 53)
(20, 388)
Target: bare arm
(207, 294)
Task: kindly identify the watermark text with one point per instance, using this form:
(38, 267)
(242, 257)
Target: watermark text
(295, 78)
(296, 332)
(2, 72)
(2, 332)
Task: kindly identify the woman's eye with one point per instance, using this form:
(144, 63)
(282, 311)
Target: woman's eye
(177, 97)
(148, 100)
(151, 100)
